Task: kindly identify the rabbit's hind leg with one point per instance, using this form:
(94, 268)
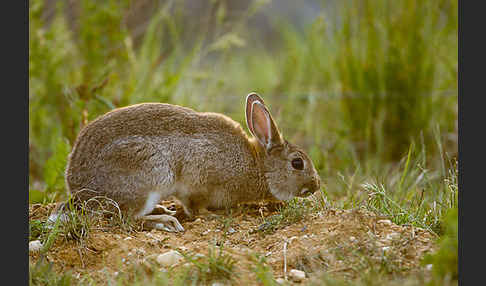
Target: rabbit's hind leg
(162, 222)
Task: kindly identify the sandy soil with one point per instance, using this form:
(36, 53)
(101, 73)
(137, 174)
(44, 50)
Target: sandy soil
(332, 240)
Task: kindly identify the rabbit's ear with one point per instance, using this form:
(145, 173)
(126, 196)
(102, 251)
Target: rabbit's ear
(250, 98)
(264, 127)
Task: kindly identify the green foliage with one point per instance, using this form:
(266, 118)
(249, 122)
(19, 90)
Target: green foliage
(216, 266)
(42, 273)
(413, 194)
(293, 212)
(385, 84)
(37, 230)
(444, 261)
(55, 166)
(262, 271)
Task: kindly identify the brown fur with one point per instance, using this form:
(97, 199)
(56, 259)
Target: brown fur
(204, 159)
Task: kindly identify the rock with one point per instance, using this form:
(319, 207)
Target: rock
(169, 258)
(218, 284)
(206, 232)
(393, 236)
(35, 246)
(230, 230)
(296, 275)
(280, 281)
(140, 251)
(385, 222)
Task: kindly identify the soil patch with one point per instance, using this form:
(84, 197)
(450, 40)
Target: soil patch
(344, 242)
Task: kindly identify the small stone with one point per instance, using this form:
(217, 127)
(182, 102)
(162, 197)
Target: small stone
(352, 238)
(385, 221)
(35, 246)
(296, 275)
(169, 258)
(198, 220)
(393, 236)
(206, 232)
(428, 266)
(218, 284)
(140, 251)
(128, 238)
(231, 230)
(280, 280)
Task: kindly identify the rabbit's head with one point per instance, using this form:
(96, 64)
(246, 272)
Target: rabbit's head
(288, 170)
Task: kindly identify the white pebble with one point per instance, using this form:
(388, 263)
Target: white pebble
(280, 280)
(169, 258)
(206, 232)
(296, 275)
(35, 246)
(385, 221)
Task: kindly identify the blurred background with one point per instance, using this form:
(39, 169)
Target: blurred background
(368, 88)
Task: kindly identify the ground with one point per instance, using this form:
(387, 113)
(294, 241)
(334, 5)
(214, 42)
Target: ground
(345, 243)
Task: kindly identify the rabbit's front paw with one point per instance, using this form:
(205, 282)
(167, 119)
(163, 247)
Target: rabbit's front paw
(160, 209)
(162, 222)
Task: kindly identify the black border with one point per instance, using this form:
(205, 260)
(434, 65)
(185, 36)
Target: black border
(471, 122)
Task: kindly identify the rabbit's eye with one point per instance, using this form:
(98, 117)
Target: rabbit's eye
(298, 164)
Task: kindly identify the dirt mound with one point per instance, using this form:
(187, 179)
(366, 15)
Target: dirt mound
(344, 242)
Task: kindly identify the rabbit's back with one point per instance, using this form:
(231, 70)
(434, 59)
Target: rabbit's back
(126, 152)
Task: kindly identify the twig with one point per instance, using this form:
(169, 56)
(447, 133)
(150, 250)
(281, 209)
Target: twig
(285, 254)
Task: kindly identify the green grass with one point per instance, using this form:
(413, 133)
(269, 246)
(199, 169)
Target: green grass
(42, 273)
(369, 89)
(294, 211)
(217, 265)
(262, 271)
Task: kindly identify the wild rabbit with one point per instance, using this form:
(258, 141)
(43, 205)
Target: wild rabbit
(141, 154)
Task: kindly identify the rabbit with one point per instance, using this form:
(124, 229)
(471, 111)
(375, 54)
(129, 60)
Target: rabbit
(143, 153)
